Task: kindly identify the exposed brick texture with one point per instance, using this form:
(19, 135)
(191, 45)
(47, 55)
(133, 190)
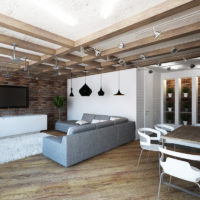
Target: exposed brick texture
(41, 95)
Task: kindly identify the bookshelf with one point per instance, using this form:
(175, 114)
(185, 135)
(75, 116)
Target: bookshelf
(186, 101)
(170, 102)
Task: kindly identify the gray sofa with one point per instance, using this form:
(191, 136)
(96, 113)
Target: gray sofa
(85, 141)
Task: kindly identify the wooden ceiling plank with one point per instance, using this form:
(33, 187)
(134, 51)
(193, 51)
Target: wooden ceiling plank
(21, 27)
(4, 39)
(163, 10)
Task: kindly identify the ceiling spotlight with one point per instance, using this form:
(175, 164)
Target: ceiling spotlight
(150, 71)
(143, 57)
(174, 50)
(169, 69)
(192, 66)
(184, 59)
(56, 64)
(159, 64)
(156, 33)
(14, 58)
(25, 65)
(121, 45)
(121, 62)
(97, 52)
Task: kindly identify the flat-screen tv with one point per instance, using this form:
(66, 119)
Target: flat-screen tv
(14, 96)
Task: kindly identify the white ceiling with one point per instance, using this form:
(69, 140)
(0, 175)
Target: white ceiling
(86, 13)
(86, 17)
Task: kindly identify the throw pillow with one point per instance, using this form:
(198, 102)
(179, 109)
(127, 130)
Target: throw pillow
(81, 122)
(114, 118)
(94, 121)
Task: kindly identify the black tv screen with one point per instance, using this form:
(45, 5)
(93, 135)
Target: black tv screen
(14, 97)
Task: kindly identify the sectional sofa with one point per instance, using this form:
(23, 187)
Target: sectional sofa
(85, 141)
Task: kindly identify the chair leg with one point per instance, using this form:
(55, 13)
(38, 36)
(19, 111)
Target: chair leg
(139, 158)
(170, 180)
(159, 163)
(161, 176)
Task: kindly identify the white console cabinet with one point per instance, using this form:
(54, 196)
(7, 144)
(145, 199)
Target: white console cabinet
(21, 124)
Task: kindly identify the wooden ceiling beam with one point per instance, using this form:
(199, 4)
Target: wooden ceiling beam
(24, 28)
(20, 54)
(163, 10)
(157, 52)
(165, 36)
(4, 39)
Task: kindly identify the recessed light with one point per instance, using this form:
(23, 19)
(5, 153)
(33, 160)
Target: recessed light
(174, 50)
(150, 71)
(192, 66)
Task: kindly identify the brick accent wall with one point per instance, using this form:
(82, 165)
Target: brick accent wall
(41, 95)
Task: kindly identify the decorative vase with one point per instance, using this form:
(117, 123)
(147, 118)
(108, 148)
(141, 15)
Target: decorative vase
(170, 95)
(185, 123)
(170, 109)
(185, 95)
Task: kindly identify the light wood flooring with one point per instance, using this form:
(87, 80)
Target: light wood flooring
(110, 176)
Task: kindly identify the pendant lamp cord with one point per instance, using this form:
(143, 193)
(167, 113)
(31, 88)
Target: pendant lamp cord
(71, 79)
(101, 80)
(118, 80)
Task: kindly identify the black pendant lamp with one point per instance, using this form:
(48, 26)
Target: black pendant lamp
(101, 92)
(71, 93)
(118, 92)
(85, 90)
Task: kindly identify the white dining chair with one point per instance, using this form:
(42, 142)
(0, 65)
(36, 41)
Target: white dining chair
(145, 141)
(179, 168)
(164, 128)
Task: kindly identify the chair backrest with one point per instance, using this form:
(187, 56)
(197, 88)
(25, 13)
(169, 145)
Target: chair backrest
(180, 168)
(145, 136)
(163, 128)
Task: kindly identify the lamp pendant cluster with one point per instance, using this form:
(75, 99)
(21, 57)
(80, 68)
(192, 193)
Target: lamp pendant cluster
(85, 90)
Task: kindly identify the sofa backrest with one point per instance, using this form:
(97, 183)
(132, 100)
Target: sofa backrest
(82, 128)
(104, 124)
(102, 117)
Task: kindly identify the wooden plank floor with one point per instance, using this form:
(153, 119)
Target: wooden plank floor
(109, 176)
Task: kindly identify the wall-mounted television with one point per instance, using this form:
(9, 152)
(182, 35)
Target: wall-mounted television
(14, 97)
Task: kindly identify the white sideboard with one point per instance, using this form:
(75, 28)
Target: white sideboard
(21, 124)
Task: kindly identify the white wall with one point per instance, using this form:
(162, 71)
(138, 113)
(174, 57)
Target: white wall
(148, 98)
(107, 104)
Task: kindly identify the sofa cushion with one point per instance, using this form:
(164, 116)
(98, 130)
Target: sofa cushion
(102, 117)
(64, 125)
(81, 122)
(88, 117)
(120, 121)
(78, 129)
(104, 124)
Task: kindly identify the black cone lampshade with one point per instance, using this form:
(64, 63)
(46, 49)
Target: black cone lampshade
(118, 92)
(85, 90)
(71, 93)
(101, 92)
